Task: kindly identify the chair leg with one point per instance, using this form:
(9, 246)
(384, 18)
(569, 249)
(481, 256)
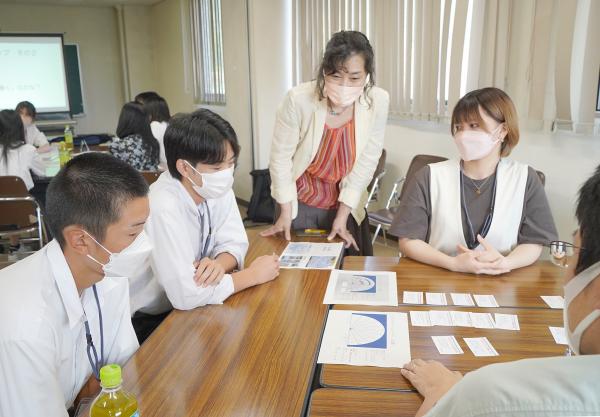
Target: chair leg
(376, 233)
(40, 230)
(384, 237)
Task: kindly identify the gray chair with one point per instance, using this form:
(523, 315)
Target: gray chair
(375, 186)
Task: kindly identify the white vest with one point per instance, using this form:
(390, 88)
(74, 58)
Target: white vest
(446, 221)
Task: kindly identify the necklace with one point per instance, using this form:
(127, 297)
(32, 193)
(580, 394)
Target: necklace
(335, 113)
(480, 187)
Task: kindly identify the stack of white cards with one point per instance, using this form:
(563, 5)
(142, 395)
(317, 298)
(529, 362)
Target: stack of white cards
(448, 345)
(458, 299)
(464, 319)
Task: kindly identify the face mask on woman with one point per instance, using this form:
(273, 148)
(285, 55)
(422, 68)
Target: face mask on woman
(474, 144)
(343, 95)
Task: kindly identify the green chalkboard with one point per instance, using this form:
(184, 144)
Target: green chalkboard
(73, 73)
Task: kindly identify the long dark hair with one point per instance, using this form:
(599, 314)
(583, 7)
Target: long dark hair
(158, 109)
(12, 133)
(340, 47)
(134, 121)
(588, 208)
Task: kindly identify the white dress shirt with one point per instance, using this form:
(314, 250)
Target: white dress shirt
(158, 131)
(20, 162)
(34, 137)
(43, 357)
(178, 229)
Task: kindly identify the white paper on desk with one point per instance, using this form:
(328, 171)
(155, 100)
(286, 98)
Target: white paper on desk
(461, 318)
(436, 298)
(554, 301)
(440, 318)
(485, 300)
(374, 288)
(412, 297)
(420, 319)
(482, 320)
(460, 299)
(447, 345)
(480, 346)
(558, 333)
(308, 255)
(506, 321)
(366, 338)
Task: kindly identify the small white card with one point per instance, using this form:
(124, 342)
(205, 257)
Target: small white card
(460, 299)
(506, 321)
(480, 346)
(485, 300)
(412, 297)
(420, 318)
(482, 320)
(558, 333)
(461, 318)
(440, 318)
(554, 301)
(447, 345)
(436, 298)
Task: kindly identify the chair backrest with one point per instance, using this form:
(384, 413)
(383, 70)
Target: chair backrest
(380, 168)
(418, 162)
(20, 213)
(12, 186)
(150, 176)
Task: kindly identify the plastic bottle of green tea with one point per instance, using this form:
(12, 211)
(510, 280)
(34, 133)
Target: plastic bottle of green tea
(113, 401)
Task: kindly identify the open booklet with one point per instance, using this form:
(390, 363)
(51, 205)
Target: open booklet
(308, 255)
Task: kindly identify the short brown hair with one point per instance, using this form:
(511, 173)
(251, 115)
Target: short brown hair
(496, 104)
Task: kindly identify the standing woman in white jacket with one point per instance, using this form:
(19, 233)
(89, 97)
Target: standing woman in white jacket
(327, 142)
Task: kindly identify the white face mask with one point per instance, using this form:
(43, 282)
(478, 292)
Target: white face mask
(573, 288)
(473, 144)
(214, 185)
(130, 261)
(343, 95)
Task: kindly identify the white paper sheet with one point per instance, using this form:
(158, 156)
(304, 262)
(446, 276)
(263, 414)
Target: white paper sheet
(482, 320)
(412, 297)
(506, 321)
(420, 318)
(461, 318)
(558, 333)
(436, 298)
(461, 299)
(374, 288)
(554, 301)
(485, 300)
(366, 338)
(480, 346)
(308, 255)
(440, 318)
(447, 345)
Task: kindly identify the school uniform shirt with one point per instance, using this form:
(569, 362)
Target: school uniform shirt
(43, 357)
(34, 137)
(158, 131)
(20, 162)
(178, 229)
(560, 386)
(297, 136)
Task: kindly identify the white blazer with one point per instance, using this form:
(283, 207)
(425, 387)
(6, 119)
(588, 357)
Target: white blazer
(297, 135)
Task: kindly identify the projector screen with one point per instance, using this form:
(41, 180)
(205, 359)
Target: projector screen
(32, 68)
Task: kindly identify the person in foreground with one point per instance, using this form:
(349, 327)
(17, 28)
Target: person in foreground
(558, 386)
(64, 311)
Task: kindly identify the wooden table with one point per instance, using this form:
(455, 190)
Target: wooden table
(329, 402)
(520, 288)
(253, 356)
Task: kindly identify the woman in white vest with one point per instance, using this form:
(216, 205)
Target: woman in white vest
(484, 213)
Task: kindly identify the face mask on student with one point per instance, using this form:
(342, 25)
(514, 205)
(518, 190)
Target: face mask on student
(130, 261)
(343, 95)
(572, 289)
(215, 184)
(473, 144)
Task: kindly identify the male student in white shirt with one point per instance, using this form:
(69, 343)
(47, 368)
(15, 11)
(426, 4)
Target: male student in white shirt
(33, 136)
(195, 227)
(56, 300)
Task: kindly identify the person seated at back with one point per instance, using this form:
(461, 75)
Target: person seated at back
(560, 386)
(157, 108)
(64, 311)
(484, 213)
(33, 136)
(196, 229)
(134, 143)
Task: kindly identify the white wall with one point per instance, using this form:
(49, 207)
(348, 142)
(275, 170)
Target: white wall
(95, 30)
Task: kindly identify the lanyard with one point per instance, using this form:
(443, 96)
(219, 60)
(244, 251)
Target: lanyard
(472, 242)
(204, 252)
(91, 349)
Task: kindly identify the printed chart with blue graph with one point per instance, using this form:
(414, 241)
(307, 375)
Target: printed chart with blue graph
(368, 330)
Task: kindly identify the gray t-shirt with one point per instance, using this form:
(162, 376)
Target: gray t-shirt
(413, 215)
(560, 386)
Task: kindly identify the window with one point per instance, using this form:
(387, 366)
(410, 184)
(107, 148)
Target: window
(207, 40)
